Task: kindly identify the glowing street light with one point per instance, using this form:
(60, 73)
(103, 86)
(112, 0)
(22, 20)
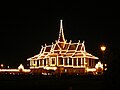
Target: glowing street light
(8, 66)
(103, 48)
(1, 65)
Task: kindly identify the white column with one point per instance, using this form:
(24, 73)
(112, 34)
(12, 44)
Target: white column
(77, 61)
(72, 61)
(68, 61)
(31, 63)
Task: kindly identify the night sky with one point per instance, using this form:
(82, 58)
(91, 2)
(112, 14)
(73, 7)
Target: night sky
(24, 30)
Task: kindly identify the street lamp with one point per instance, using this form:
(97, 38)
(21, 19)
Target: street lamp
(103, 48)
(1, 65)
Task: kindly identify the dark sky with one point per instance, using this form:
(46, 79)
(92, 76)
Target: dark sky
(24, 30)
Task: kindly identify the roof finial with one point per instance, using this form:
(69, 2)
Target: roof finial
(61, 34)
(45, 44)
(83, 41)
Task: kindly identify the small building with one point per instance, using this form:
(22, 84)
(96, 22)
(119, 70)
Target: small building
(20, 69)
(63, 57)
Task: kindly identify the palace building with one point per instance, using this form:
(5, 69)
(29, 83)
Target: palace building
(63, 57)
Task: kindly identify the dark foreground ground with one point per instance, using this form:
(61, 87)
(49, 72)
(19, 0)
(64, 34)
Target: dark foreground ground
(36, 82)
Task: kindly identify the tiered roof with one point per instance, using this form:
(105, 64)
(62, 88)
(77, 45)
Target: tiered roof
(63, 48)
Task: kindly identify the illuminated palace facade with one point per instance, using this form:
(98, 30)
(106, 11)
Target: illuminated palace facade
(63, 57)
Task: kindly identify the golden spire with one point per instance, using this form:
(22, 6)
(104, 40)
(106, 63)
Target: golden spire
(61, 34)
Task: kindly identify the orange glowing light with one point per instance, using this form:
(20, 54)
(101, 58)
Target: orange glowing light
(103, 48)
(2, 65)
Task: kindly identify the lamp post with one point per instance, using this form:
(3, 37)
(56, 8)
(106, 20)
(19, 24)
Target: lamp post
(103, 48)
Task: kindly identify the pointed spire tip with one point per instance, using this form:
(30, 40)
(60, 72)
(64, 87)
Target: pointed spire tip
(61, 27)
(60, 19)
(61, 34)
